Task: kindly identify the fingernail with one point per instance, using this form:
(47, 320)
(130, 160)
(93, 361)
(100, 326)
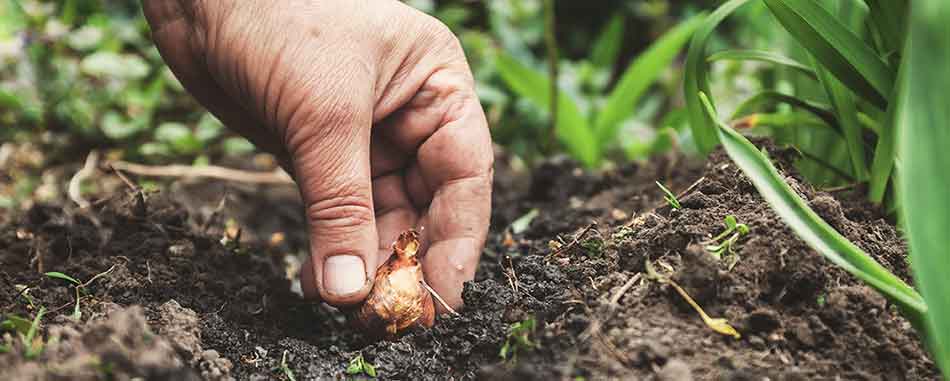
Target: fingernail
(344, 274)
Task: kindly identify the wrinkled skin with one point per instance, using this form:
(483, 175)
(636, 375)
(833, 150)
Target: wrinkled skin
(370, 105)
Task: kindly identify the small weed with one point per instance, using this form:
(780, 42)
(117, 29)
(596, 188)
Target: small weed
(723, 245)
(522, 223)
(77, 286)
(519, 338)
(359, 365)
(669, 197)
(59, 275)
(821, 300)
(594, 246)
(284, 368)
(719, 325)
(24, 292)
(16, 324)
(34, 345)
(621, 234)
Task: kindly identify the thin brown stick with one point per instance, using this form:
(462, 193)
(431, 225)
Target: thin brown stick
(623, 290)
(125, 179)
(685, 192)
(75, 183)
(576, 239)
(439, 298)
(277, 176)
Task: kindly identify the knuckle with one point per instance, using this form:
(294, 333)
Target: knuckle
(340, 215)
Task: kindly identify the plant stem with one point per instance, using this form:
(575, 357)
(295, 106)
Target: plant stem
(550, 39)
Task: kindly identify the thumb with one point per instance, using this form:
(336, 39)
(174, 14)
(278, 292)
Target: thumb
(330, 154)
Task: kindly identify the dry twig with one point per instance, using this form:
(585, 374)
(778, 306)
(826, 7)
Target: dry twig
(623, 290)
(277, 176)
(439, 298)
(576, 239)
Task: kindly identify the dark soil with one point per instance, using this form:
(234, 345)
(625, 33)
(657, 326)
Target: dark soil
(178, 304)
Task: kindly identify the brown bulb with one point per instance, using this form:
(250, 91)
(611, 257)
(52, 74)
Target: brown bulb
(399, 300)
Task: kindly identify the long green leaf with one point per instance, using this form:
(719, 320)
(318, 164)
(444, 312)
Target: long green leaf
(695, 81)
(641, 73)
(889, 17)
(809, 226)
(572, 127)
(885, 152)
(59, 275)
(608, 43)
(847, 115)
(923, 137)
(770, 98)
(762, 56)
(845, 55)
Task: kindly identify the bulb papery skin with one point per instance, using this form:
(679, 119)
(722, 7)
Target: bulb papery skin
(398, 300)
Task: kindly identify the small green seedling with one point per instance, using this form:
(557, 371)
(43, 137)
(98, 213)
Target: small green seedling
(77, 286)
(519, 338)
(34, 345)
(669, 197)
(24, 292)
(358, 365)
(285, 368)
(723, 245)
(594, 246)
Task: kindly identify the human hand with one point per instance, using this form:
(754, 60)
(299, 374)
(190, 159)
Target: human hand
(369, 104)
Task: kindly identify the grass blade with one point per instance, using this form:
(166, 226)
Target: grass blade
(842, 52)
(59, 275)
(923, 121)
(770, 97)
(572, 127)
(885, 155)
(762, 56)
(608, 43)
(846, 111)
(641, 73)
(889, 17)
(810, 227)
(695, 81)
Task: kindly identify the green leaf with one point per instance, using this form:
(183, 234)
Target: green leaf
(795, 212)
(522, 223)
(843, 53)
(114, 65)
(638, 77)
(572, 127)
(769, 98)
(608, 43)
(179, 137)
(13, 19)
(846, 111)
(695, 81)
(86, 37)
(115, 126)
(369, 369)
(208, 128)
(31, 332)
(16, 323)
(762, 56)
(356, 366)
(889, 18)
(882, 166)
(59, 275)
(923, 121)
(237, 146)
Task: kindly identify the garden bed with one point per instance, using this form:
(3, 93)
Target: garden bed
(178, 304)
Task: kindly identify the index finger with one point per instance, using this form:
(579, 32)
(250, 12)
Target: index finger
(457, 163)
